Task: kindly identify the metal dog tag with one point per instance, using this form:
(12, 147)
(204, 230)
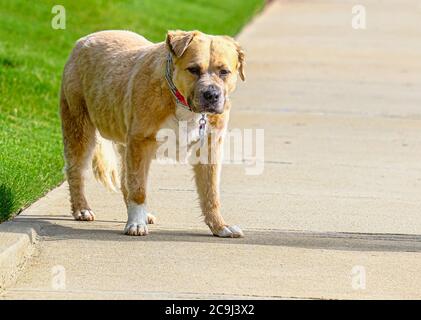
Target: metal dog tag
(202, 128)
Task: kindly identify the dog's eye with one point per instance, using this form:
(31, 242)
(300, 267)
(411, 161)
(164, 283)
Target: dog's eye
(194, 70)
(223, 72)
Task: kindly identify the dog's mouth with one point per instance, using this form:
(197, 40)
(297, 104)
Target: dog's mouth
(206, 108)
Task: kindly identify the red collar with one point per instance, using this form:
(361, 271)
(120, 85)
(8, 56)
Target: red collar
(179, 98)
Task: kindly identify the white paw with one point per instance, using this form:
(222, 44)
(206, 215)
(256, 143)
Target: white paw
(151, 219)
(230, 232)
(135, 229)
(84, 215)
(137, 220)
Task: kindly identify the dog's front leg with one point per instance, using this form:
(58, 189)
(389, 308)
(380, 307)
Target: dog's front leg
(139, 153)
(207, 177)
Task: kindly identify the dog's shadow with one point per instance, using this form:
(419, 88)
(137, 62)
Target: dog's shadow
(67, 229)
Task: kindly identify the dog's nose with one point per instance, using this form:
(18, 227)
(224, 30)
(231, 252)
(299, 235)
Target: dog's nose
(212, 94)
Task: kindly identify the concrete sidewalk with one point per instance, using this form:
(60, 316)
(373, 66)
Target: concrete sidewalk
(340, 194)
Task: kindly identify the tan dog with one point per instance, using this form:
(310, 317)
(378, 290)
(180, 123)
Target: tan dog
(118, 91)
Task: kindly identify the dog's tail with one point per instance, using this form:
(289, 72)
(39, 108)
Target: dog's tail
(105, 164)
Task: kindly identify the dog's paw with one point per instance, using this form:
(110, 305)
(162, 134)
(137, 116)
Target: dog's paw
(230, 232)
(84, 215)
(137, 220)
(136, 229)
(151, 219)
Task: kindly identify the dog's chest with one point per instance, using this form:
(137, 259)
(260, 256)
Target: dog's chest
(180, 131)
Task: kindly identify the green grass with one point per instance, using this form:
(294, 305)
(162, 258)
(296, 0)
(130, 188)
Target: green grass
(32, 56)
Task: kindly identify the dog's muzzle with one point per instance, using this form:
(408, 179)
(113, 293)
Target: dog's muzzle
(212, 100)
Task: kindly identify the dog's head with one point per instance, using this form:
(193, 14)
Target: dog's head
(205, 68)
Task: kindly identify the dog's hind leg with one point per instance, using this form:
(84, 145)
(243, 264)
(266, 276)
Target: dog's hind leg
(79, 142)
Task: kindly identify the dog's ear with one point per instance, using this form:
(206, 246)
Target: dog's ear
(178, 41)
(241, 58)
(241, 62)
